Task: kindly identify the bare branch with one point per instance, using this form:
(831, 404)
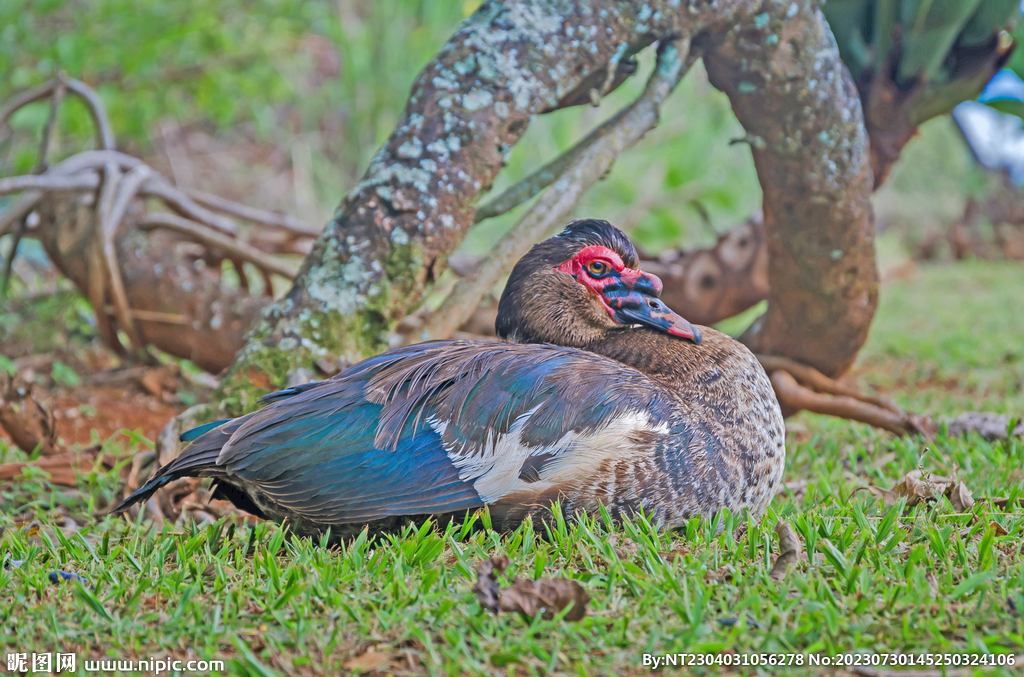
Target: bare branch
(127, 189)
(284, 221)
(184, 205)
(104, 131)
(27, 97)
(104, 258)
(587, 162)
(18, 211)
(95, 159)
(152, 316)
(215, 240)
(50, 183)
(51, 124)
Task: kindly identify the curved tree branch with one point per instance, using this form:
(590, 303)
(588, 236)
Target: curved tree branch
(393, 232)
(587, 162)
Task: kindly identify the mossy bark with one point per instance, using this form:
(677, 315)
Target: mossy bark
(391, 236)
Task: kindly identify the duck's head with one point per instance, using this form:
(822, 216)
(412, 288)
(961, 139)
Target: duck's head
(574, 288)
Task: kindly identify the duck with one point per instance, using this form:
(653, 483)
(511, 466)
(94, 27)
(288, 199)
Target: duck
(596, 396)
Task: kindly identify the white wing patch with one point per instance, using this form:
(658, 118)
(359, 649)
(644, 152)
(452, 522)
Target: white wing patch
(495, 472)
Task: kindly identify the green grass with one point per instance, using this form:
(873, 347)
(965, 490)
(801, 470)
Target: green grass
(878, 580)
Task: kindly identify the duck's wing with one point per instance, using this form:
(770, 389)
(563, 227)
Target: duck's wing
(433, 428)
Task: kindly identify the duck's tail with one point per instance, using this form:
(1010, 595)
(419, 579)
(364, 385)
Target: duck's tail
(199, 459)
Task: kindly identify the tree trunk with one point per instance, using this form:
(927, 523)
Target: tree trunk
(793, 95)
(393, 232)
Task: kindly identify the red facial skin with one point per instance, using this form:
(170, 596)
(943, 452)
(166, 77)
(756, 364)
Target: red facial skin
(577, 267)
(628, 295)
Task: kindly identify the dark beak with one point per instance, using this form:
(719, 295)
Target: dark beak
(633, 299)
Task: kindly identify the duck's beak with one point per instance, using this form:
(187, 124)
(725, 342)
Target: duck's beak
(633, 299)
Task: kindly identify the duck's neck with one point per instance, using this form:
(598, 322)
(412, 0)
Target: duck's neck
(658, 354)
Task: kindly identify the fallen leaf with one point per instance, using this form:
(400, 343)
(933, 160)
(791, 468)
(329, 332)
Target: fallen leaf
(918, 487)
(789, 551)
(371, 660)
(156, 382)
(546, 596)
(678, 551)
(1002, 501)
(960, 497)
(997, 528)
(28, 423)
(487, 589)
(624, 547)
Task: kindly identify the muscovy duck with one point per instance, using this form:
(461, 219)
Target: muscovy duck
(599, 395)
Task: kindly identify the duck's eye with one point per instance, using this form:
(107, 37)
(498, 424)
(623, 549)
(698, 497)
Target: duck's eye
(598, 268)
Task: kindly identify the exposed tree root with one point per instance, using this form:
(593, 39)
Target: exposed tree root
(87, 236)
(794, 397)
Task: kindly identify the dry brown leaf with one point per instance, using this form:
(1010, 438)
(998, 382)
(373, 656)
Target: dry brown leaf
(997, 528)
(158, 381)
(960, 497)
(547, 596)
(789, 551)
(678, 551)
(487, 589)
(988, 425)
(918, 487)
(1002, 502)
(624, 547)
(371, 660)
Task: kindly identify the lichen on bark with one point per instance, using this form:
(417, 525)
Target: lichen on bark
(392, 234)
(793, 95)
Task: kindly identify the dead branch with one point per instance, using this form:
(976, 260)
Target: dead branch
(51, 123)
(214, 240)
(117, 194)
(150, 286)
(288, 223)
(579, 169)
(50, 183)
(104, 131)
